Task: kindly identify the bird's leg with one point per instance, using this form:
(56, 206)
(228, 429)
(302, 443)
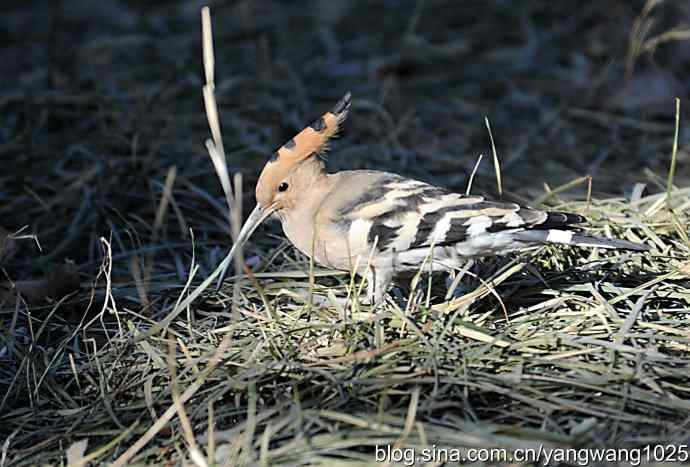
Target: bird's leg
(455, 287)
(378, 282)
(371, 278)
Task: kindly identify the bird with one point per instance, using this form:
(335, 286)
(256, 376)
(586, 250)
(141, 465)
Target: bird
(381, 225)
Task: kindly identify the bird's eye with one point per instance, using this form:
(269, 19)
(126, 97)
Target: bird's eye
(283, 186)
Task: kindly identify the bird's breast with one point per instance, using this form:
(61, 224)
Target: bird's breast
(329, 244)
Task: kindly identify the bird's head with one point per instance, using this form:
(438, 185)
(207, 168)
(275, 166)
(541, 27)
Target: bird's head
(285, 175)
(281, 179)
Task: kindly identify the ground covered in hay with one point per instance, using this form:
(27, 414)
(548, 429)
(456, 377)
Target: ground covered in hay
(111, 214)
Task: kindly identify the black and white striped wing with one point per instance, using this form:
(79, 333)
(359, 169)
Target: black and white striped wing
(402, 214)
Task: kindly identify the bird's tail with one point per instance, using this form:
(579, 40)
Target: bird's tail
(569, 237)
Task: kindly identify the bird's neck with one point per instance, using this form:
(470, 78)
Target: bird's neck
(298, 219)
(318, 186)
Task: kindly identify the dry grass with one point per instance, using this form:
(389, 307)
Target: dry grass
(555, 347)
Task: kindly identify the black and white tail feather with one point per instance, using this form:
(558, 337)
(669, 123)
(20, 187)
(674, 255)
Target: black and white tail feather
(574, 238)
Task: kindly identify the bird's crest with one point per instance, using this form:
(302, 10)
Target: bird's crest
(307, 144)
(313, 140)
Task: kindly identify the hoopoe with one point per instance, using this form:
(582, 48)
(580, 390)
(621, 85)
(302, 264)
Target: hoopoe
(381, 224)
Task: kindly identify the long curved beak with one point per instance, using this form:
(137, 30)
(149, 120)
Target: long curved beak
(258, 215)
